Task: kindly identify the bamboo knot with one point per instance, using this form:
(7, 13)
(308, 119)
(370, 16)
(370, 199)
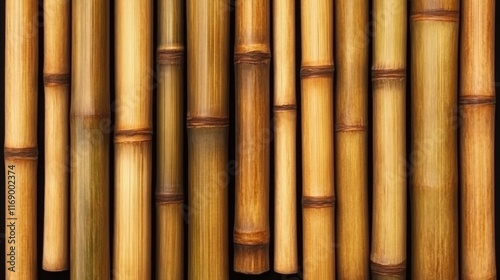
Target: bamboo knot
(285, 107)
(350, 128)
(169, 198)
(254, 57)
(56, 79)
(139, 135)
(251, 238)
(202, 122)
(476, 100)
(435, 15)
(165, 56)
(317, 71)
(21, 153)
(318, 201)
(388, 270)
(385, 74)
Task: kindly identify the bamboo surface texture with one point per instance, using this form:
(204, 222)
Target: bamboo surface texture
(477, 138)
(90, 114)
(388, 254)
(21, 151)
(133, 139)
(434, 218)
(207, 124)
(318, 195)
(252, 63)
(351, 55)
(170, 131)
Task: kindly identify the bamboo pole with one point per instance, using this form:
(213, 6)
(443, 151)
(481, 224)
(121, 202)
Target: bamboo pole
(318, 195)
(57, 67)
(90, 112)
(133, 139)
(285, 123)
(169, 190)
(21, 151)
(434, 33)
(351, 139)
(207, 124)
(477, 138)
(388, 254)
(252, 61)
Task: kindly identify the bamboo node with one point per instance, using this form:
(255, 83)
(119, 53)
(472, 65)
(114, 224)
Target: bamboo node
(388, 269)
(251, 238)
(202, 122)
(476, 100)
(318, 201)
(435, 15)
(30, 153)
(165, 56)
(385, 74)
(285, 107)
(317, 71)
(350, 128)
(169, 198)
(56, 79)
(254, 57)
(139, 135)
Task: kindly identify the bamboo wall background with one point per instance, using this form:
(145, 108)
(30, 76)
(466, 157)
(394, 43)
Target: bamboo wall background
(232, 167)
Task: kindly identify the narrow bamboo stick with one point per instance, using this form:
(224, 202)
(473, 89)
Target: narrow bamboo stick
(388, 254)
(252, 61)
(57, 67)
(318, 195)
(21, 151)
(90, 112)
(133, 139)
(207, 124)
(169, 190)
(285, 123)
(434, 33)
(351, 138)
(477, 138)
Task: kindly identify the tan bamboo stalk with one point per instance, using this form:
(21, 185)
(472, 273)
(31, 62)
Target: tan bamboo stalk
(133, 139)
(351, 55)
(57, 63)
(169, 189)
(252, 63)
(434, 218)
(207, 124)
(21, 151)
(318, 194)
(285, 123)
(90, 116)
(388, 251)
(477, 138)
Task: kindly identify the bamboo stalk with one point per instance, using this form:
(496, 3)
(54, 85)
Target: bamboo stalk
(388, 254)
(169, 191)
(252, 61)
(57, 67)
(434, 33)
(477, 138)
(351, 139)
(285, 117)
(90, 112)
(21, 151)
(318, 194)
(133, 139)
(207, 124)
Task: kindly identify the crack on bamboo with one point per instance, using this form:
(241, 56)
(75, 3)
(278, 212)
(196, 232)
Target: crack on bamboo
(252, 57)
(30, 153)
(435, 15)
(478, 100)
(133, 135)
(204, 122)
(386, 74)
(350, 128)
(318, 201)
(169, 198)
(256, 238)
(317, 71)
(50, 79)
(388, 270)
(166, 56)
(285, 107)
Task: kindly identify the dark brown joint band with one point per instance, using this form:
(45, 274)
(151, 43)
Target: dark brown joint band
(317, 71)
(56, 79)
(255, 57)
(140, 135)
(251, 238)
(388, 270)
(169, 198)
(386, 74)
(289, 107)
(435, 15)
(21, 153)
(202, 122)
(169, 56)
(318, 201)
(476, 100)
(350, 128)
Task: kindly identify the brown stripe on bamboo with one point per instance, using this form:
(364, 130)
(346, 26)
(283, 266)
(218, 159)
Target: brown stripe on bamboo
(252, 63)
(434, 217)
(388, 247)
(477, 138)
(207, 125)
(89, 112)
(318, 194)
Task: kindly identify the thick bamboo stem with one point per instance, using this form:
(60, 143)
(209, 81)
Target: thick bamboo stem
(477, 138)
(90, 113)
(388, 254)
(434, 31)
(169, 190)
(207, 123)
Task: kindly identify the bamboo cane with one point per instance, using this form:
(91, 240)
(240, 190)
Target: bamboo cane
(133, 139)
(388, 255)
(351, 139)
(252, 60)
(90, 112)
(318, 194)
(21, 151)
(477, 138)
(207, 124)
(285, 117)
(169, 192)
(57, 30)
(434, 31)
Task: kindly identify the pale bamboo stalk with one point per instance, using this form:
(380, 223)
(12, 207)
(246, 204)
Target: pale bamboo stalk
(207, 124)
(434, 218)
(388, 251)
(351, 139)
(169, 189)
(477, 139)
(318, 194)
(21, 151)
(57, 67)
(90, 114)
